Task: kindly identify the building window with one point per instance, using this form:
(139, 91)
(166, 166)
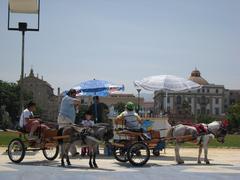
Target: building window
(216, 101)
(203, 110)
(217, 111)
(198, 90)
(168, 99)
(179, 100)
(203, 100)
(203, 90)
(198, 100)
(217, 91)
(189, 100)
(208, 90)
(198, 111)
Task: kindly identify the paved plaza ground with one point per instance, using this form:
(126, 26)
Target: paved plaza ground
(225, 164)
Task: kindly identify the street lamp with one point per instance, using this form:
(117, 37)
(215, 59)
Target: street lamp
(25, 7)
(138, 90)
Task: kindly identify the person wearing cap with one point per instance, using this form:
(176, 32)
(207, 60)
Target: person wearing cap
(67, 113)
(131, 118)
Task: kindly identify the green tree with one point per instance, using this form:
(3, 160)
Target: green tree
(9, 97)
(186, 108)
(119, 107)
(80, 115)
(205, 119)
(234, 116)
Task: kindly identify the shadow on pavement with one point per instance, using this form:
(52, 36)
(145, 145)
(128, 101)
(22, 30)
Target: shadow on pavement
(87, 168)
(128, 165)
(203, 164)
(57, 164)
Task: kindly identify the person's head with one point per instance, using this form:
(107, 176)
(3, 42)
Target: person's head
(31, 106)
(96, 98)
(88, 115)
(129, 106)
(72, 93)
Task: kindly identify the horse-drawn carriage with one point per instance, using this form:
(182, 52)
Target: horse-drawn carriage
(135, 145)
(48, 144)
(128, 145)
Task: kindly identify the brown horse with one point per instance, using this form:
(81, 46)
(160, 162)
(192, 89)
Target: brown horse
(85, 137)
(217, 129)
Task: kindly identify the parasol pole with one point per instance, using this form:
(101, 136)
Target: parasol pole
(166, 101)
(95, 105)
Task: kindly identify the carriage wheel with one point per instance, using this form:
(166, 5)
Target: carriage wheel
(16, 150)
(138, 154)
(51, 153)
(156, 152)
(120, 154)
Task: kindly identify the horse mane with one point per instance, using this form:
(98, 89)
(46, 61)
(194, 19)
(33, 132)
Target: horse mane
(215, 123)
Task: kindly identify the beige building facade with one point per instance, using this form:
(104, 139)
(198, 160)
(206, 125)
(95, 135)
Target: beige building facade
(209, 100)
(43, 96)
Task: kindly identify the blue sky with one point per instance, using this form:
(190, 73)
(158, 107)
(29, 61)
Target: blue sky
(126, 40)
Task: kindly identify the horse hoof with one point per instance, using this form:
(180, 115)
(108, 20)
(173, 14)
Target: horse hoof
(207, 162)
(95, 166)
(199, 162)
(180, 162)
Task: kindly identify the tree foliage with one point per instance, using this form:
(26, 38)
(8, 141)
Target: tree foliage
(9, 97)
(234, 116)
(119, 107)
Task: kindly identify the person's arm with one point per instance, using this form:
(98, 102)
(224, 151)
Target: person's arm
(28, 117)
(76, 102)
(119, 118)
(139, 119)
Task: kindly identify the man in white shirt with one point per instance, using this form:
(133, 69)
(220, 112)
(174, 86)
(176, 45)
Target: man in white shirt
(67, 114)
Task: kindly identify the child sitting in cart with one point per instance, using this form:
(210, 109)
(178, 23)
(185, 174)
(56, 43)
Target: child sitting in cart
(87, 122)
(29, 123)
(130, 118)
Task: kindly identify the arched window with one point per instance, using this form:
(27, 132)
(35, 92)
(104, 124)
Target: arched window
(179, 100)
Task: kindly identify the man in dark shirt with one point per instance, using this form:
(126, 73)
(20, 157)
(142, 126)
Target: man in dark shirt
(100, 109)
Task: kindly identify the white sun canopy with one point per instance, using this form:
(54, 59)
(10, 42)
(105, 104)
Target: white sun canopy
(166, 82)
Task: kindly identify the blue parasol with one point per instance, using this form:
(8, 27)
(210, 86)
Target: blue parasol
(97, 88)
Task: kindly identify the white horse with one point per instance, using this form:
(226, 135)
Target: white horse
(216, 129)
